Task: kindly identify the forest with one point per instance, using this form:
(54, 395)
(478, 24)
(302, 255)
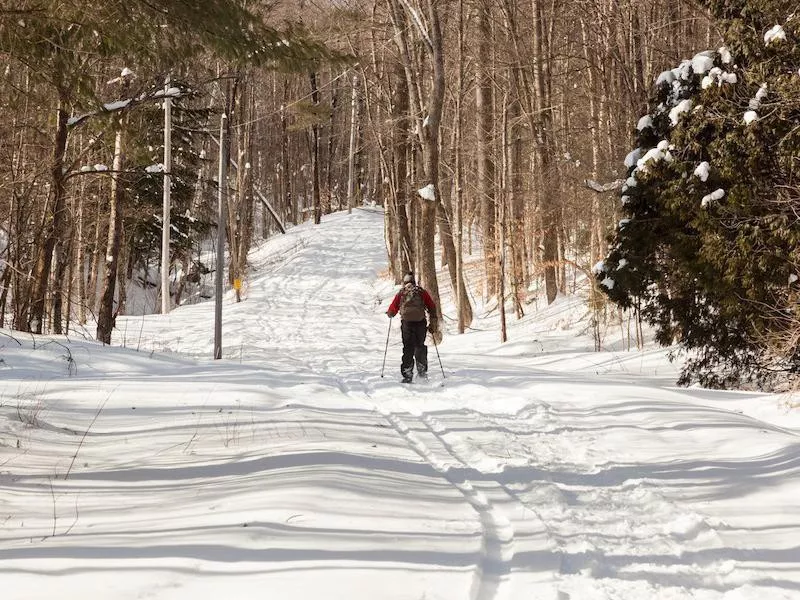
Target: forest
(646, 152)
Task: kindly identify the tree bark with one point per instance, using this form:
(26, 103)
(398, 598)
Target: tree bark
(315, 175)
(106, 317)
(542, 149)
(430, 145)
(401, 118)
(55, 222)
(484, 107)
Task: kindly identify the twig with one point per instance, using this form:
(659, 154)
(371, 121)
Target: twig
(77, 517)
(12, 337)
(70, 361)
(55, 513)
(85, 433)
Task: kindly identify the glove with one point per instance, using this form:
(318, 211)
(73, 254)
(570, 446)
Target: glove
(433, 326)
(389, 314)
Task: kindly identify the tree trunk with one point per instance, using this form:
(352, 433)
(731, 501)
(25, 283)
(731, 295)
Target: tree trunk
(517, 216)
(430, 145)
(56, 220)
(501, 223)
(401, 118)
(240, 211)
(97, 260)
(542, 149)
(332, 138)
(463, 303)
(351, 162)
(106, 317)
(315, 175)
(286, 187)
(484, 107)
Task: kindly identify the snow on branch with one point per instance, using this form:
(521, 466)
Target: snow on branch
(603, 187)
(776, 34)
(120, 105)
(427, 193)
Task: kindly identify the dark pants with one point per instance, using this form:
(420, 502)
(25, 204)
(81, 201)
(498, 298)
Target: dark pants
(414, 347)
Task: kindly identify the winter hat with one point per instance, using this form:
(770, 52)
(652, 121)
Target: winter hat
(408, 278)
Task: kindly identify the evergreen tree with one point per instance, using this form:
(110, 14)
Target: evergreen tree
(708, 247)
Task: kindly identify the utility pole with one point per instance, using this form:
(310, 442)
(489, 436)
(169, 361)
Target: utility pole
(221, 220)
(165, 257)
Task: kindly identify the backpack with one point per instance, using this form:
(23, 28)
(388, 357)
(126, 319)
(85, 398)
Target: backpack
(412, 306)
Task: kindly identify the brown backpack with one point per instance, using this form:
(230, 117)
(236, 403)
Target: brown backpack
(412, 306)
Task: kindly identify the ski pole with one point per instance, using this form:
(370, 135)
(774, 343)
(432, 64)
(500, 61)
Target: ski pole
(387, 346)
(435, 345)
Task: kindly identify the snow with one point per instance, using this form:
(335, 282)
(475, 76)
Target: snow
(292, 469)
(155, 168)
(731, 78)
(712, 197)
(645, 122)
(677, 110)
(775, 34)
(608, 283)
(725, 55)
(792, 278)
(427, 193)
(718, 76)
(702, 62)
(632, 157)
(116, 105)
(654, 155)
(126, 72)
(749, 117)
(755, 102)
(702, 171)
(172, 92)
(665, 77)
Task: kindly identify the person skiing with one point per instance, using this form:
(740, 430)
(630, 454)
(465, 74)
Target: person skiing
(411, 302)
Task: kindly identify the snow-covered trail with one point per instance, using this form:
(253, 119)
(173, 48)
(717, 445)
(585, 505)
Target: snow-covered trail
(293, 469)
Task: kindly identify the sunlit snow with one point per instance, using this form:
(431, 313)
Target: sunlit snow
(702, 171)
(775, 34)
(677, 110)
(712, 197)
(427, 193)
(291, 469)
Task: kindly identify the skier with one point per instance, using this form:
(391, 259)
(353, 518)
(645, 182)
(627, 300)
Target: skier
(411, 302)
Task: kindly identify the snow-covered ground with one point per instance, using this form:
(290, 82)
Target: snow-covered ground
(292, 470)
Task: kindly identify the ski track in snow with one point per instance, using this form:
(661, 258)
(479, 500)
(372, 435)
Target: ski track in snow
(497, 545)
(559, 508)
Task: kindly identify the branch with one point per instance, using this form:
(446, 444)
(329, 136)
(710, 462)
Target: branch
(603, 187)
(128, 103)
(420, 25)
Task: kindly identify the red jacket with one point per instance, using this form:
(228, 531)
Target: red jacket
(426, 299)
